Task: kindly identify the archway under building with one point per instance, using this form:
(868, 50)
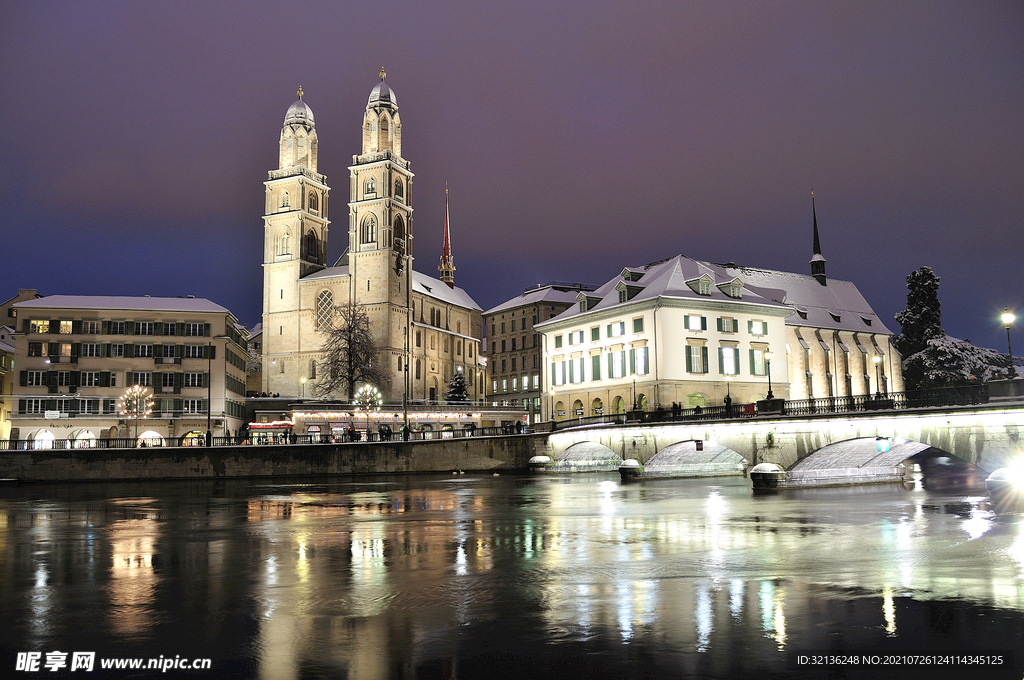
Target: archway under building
(41, 439)
(597, 407)
(150, 438)
(618, 405)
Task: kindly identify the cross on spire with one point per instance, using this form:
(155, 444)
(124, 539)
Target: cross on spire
(299, 92)
(382, 73)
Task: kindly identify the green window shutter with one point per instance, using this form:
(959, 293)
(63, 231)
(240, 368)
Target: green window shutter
(76, 351)
(632, 361)
(129, 328)
(129, 351)
(719, 324)
(206, 330)
(51, 382)
(610, 371)
(179, 329)
(158, 354)
(213, 351)
(689, 360)
(206, 379)
(609, 331)
(25, 326)
(750, 327)
(24, 378)
(735, 325)
(552, 372)
(76, 327)
(55, 325)
(595, 367)
(721, 361)
(104, 378)
(686, 322)
(752, 362)
(179, 404)
(53, 349)
(704, 359)
(105, 350)
(703, 323)
(105, 327)
(179, 380)
(158, 328)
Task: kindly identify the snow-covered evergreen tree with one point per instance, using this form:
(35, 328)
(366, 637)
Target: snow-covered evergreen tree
(921, 320)
(930, 357)
(458, 392)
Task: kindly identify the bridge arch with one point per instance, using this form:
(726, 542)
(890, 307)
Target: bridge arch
(695, 458)
(881, 459)
(587, 456)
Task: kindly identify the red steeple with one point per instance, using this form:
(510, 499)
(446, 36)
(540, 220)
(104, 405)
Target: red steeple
(447, 266)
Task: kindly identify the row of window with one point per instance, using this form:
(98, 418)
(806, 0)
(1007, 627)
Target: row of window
(370, 186)
(522, 344)
(615, 363)
(616, 329)
(100, 327)
(76, 350)
(515, 383)
(504, 364)
(109, 406)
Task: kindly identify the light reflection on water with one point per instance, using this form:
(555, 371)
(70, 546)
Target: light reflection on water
(408, 576)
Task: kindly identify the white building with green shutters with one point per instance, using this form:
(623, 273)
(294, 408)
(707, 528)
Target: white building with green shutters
(690, 332)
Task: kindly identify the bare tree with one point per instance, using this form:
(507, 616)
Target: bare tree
(349, 355)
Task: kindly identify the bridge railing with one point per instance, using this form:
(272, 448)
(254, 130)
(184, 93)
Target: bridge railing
(889, 401)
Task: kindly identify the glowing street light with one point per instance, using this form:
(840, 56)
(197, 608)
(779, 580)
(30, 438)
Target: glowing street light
(1008, 318)
(768, 367)
(877, 361)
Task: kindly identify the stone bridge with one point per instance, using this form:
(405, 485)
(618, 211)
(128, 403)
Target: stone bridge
(986, 436)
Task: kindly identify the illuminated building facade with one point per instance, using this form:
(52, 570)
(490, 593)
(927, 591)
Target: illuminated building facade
(425, 328)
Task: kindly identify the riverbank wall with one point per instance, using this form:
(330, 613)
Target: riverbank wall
(470, 454)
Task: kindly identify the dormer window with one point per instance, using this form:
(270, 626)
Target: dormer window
(733, 288)
(835, 317)
(583, 305)
(622, 295)
(702, 285)
(867, 321)
(802, 313)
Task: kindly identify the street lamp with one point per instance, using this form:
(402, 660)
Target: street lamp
(728, 396)
(634, 391)
(768, 367)
(302, 388)
(1008, 318)
(551, 392)
(209, 391)
(877, 361)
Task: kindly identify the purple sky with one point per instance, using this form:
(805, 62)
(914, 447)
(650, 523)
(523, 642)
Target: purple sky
(575, 138)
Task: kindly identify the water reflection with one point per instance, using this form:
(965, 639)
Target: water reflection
(409, 577)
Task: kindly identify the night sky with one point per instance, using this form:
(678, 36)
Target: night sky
(575, 138)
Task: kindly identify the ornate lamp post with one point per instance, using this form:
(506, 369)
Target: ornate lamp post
(1008, 318)
(728, 396)
(302, 388)
(877, 361)
(551, 393)
(768, 368)
(634, 391)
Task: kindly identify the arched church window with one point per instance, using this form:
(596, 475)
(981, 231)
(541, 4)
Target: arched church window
(311, 248)
(371, 186)
(324, 310)
(383, 123)
(399, 229)
(369, 234)
(399, 190)
(312, 369)
(313, 203)
(284, 199)
(284, 245)
(417, 369)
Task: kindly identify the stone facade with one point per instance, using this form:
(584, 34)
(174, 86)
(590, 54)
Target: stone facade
(426, 330)
(77, 354)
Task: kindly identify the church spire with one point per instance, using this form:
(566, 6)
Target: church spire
(817, 261)
(447, 266)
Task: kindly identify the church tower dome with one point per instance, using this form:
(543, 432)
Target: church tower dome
(298, 143)
(299, 113)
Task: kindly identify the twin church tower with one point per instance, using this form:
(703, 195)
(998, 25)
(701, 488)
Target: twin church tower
(426, 328)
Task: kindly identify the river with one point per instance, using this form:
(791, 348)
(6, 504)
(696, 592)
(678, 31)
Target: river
(484, 576)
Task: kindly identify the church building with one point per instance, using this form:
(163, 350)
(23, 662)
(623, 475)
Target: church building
(426, 328)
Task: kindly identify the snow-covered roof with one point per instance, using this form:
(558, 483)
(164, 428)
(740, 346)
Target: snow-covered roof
(125, 303)
(821, 304)
(437, 289)
(7, 339)
(327, 273)
(421, 283)
(256, 330)
(543, 293)
(836, 305)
